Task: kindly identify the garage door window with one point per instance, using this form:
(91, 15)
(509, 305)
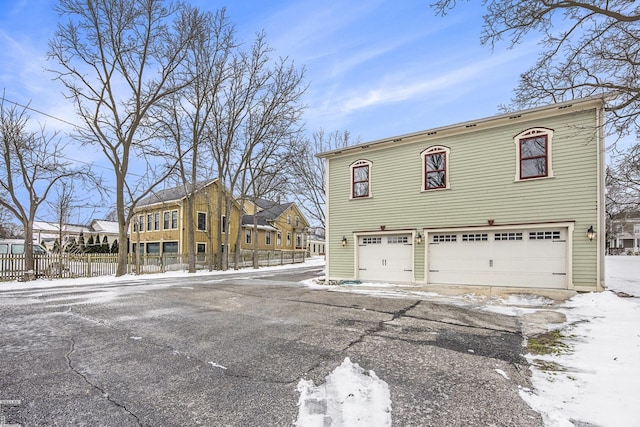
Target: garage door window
(397, 239)
(440, 238)
(508, 236)
(477, 237)
(371, 240)
(544, 235)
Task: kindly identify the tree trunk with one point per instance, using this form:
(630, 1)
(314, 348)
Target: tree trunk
(123, 247)
(191, 234)
(29, 272)
(256, 251)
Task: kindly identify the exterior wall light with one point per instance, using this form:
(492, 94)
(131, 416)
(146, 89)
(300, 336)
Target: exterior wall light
(419, 238)
(344, 241)
(591, 233)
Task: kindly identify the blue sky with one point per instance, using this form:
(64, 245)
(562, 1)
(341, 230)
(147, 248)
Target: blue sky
(377, 68)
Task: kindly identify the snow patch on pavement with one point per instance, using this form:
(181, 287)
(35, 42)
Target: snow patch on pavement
(349, 397)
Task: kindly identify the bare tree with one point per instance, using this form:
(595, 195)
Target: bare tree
(623, 182)
(259, 105)
(267, 178)
(31, 166)
(117, 59)
(309, 174)
(184, 116)
(590, 47)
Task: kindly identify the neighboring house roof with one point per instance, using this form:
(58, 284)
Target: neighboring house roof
(53, 227)
(104, 226)
(171, 194)
(269, 211)
(50, 230)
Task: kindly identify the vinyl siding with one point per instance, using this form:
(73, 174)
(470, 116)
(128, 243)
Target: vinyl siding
(482, 168)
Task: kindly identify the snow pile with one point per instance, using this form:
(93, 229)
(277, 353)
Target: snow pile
(596, 380)
(349, 397)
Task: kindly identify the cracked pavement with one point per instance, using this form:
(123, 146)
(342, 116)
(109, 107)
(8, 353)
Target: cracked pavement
(230, 351)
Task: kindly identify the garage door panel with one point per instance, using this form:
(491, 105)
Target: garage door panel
(385, 258)
(499, 258)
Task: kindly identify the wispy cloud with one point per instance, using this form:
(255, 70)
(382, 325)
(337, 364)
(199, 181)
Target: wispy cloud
(405, 85)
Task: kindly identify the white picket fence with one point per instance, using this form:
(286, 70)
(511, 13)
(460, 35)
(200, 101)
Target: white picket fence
(65, 265)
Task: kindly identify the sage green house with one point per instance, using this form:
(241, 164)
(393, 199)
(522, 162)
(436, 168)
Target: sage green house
(515, 200)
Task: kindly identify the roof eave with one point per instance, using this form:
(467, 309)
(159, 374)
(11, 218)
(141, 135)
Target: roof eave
(471, 125)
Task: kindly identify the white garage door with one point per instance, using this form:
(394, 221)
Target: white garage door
(522, 258)
(386, 258)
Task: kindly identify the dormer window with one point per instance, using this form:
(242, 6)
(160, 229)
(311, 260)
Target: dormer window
(533, 154)
(360, 179)
(435, 168)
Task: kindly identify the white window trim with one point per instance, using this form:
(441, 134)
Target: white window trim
(531, 133)
(356, 164)
(206, 220)
(432, 150)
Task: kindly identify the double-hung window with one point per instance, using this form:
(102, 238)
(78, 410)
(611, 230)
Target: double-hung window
(174, 220)
(533, 154)
(166, 220)
(202, 221)
(361, 179)
(435, 168)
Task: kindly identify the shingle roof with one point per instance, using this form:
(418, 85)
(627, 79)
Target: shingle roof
(270, 209)
(171, 194)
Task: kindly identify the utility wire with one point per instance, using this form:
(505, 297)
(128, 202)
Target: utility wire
(66, 122)
(26, 107)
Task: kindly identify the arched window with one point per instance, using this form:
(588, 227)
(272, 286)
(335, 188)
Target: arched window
(360, 179)
(435, 168)
(534, 154)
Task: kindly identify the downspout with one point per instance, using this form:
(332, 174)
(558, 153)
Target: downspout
(327, 232)
(601, 232)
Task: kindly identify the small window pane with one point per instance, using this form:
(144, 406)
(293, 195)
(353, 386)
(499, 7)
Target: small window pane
(534, 167)
(533, 147)
(361, 173)
(435, 162)
(360, 189)
(436, 179)
(153, 248)
(170, 247)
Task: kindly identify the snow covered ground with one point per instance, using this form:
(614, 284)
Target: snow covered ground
(597, 384)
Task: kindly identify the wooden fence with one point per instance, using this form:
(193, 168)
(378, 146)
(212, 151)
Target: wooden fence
(56, 266)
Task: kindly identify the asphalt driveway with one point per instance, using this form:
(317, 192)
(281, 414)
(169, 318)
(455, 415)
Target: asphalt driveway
(231, 350)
